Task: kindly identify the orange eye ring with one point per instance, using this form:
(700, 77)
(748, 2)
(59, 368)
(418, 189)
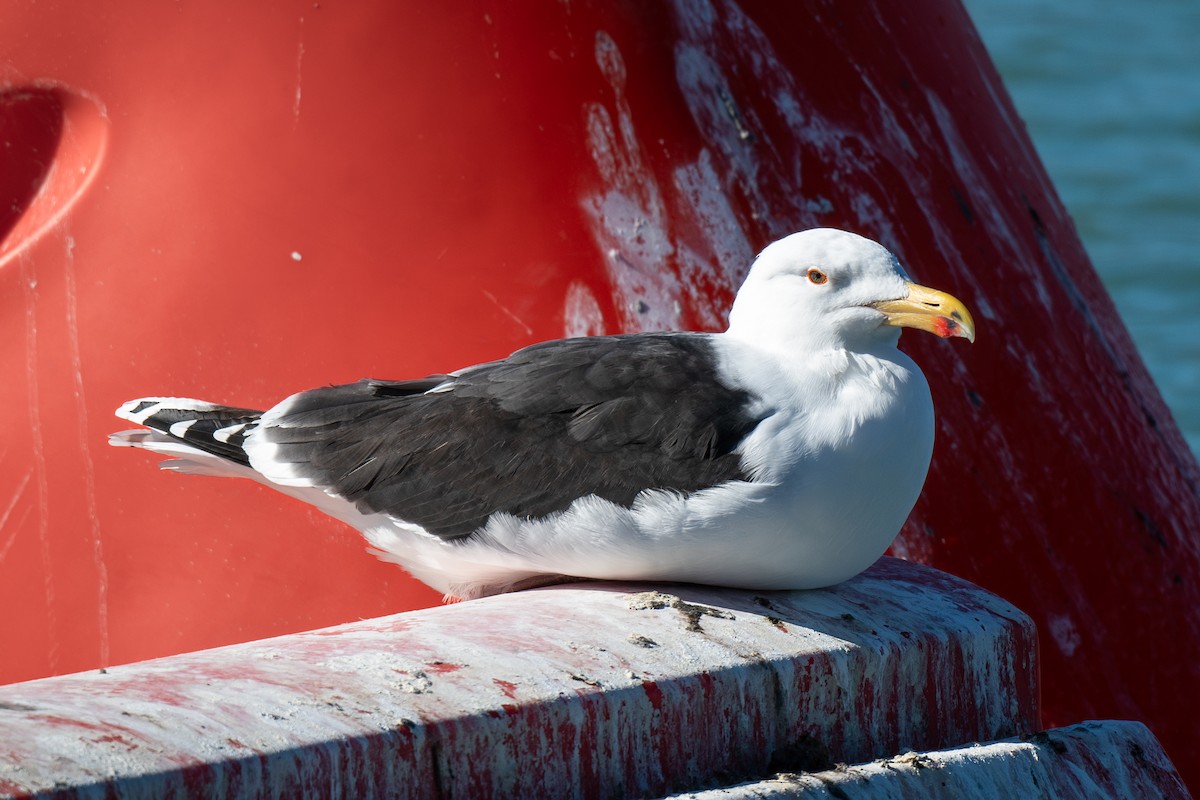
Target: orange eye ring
(816, 277)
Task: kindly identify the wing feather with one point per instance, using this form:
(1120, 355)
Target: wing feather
(606, 416)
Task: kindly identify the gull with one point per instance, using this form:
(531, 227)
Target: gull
(783, 453)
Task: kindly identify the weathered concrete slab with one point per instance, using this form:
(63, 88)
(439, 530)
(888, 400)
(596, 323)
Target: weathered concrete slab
(1090, 761)
(589, 690)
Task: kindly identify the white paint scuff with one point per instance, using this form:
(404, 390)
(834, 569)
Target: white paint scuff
(669, 240)
(7, 542)
(89, 467)
(581, 312)
(629, 217)
(39, 454)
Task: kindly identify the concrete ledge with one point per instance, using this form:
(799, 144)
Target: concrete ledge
(587, 690)
(1092, 760)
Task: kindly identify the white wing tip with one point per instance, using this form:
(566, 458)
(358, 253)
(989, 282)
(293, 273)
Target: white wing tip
(223, 434)
(134, 438)
(145, 407)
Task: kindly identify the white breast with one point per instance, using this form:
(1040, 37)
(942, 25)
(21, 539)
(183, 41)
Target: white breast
(846, 450)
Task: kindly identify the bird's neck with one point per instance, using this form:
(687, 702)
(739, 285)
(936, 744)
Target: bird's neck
(791, 340)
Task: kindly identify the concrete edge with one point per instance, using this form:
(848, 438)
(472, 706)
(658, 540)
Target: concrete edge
(574, 691)
(1108, 759)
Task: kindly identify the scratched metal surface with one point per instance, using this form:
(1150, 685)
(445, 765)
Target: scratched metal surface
(1092, 760)
(578, 691)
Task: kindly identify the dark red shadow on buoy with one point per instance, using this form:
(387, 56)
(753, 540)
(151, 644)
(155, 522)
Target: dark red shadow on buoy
(51, 143)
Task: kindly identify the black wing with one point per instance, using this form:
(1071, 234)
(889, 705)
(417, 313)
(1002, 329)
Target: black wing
(609, 416)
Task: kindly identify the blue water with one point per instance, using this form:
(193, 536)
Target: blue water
(1110, 92)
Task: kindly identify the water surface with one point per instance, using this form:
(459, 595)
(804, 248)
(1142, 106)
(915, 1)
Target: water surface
(1110, 93)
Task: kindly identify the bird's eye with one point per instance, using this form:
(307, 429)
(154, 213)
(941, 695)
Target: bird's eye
(817, 277)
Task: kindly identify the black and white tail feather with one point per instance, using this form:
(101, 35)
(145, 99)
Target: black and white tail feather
(204, 438)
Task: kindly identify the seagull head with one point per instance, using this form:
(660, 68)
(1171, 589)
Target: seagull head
(827, 288)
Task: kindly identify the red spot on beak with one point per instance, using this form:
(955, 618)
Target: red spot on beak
(945, 327)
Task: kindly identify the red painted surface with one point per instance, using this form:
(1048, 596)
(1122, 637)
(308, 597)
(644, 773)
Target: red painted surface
(558, 694)
(248, 200)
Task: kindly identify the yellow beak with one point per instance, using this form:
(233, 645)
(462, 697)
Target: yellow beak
(930, 310)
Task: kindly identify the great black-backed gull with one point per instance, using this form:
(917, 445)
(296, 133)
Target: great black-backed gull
(784, 453)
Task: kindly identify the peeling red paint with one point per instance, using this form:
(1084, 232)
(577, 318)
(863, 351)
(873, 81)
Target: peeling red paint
(13, 789)
(654, 694)
(442, 667)
(305, 712)
(115, 739)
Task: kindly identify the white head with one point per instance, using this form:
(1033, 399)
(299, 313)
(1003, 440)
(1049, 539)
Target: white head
(825, 288)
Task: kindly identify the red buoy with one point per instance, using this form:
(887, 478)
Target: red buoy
(237, 203)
